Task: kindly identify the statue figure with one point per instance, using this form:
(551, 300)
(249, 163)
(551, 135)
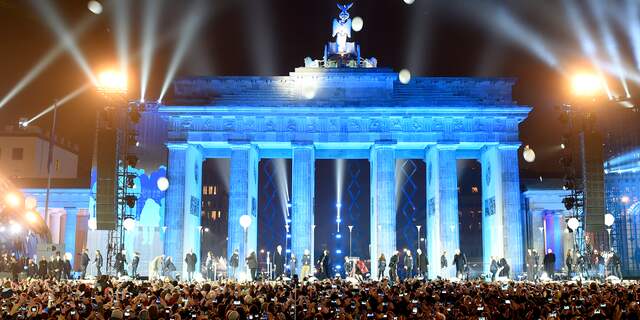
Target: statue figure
(342, 27)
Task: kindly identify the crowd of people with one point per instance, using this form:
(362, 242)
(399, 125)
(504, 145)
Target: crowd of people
(108, 298)
(591, 264)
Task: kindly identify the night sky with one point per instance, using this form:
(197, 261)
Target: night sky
(259, 37)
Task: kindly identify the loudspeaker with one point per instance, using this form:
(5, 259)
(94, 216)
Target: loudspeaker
(593, 180)
(106, 208)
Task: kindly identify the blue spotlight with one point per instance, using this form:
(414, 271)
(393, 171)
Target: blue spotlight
(338, 236)
(338, 251)
(288, 250)
(190, 25)
(288, 235)
(338, 267)
(53, 19)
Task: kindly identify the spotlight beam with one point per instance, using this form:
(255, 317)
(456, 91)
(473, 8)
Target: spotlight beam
(190, 25)
(150, 19)
(633, 28)
(46, 60)
(61, 102)
(122, 22)
(53, 19)
(282, 184)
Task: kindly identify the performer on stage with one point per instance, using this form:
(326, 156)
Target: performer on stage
(98, 262)
(536, 265)
(568, 261)
(581, 265)
(348, 267)
(493, 268)
(209, 265)
(292, 265)
(615, 263)
(444, 264)
(278, 261)
(460, 261)
(382, 264)
(135, 261)
(252, 263)
(306, 264)
(549, 263)
(84, 263)
(121, 261)
(325, 265)
(42, 268)
(156, 267)
(190, 259)
(422, 264)
(408, 264)
(67, 268)
(233, 263)
(529, 259)
(505, 269)
(393, 267)
(169, 268)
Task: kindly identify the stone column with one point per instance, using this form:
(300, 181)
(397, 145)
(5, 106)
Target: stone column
(243, 199)
(442, 207)
(503, 221)
(70, 224)
(383, 202)
(183, 200)
(303, 186)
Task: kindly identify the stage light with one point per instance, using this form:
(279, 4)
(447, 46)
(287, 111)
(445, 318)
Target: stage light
(609, 219)
(30, 203)
(94, 6)
(586, 85)
(573, 223)
(206, 229)
(409, 1)
(13, 199)
(129, 224)
(338, 236)
(404, 76)
(528, 154)
(288, 235)
(163, 184)
(357, 23)
(568, 202)
(92, 224)
(131, 181)
(130, 200)
(31, 216)
(245, 221)
(132, 160)
(338, 205)
(15, 228)
(338, 251)
(625, 199)
(562, 146)
(110, 81)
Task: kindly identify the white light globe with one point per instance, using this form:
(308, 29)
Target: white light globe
(245, 221)
(528, 154)
(404, 76)
(357, 23)
(30, 203)
(163, 184)
(95, 7)
(93, 224)
(409, 1)
(67, 255)
(609, 219)
(573, 224)
(129, 224)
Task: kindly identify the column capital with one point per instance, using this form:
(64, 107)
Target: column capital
(303, 144)
(177, 145)
(443, 146)
(385, 142)
(509, 146)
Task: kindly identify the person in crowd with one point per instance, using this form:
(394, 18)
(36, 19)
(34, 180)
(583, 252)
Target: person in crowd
(234, 261)
(42, 268)
(135, 261)
(190, 259)
(460, 262)
(121, 262)
(393, 267)
(279, 262)
(382, 264)
(493, 268)
(98, 262)
(408, 264)
(325, 265)
(84, 263)
(209, 266)
(568, 261)
(530, 264)
(550, 263)
(252, 263)
(422, 264)
(292, 265)
(306, 264)
(504, 268)
(444, 264)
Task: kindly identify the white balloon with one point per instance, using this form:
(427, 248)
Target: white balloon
(528, 154)
(404, 76)
(163, 183)
(94, 6)
(357, 23)
(573, 224)
(129, 224)
(245, 221)
(409, 1)
(609, 219)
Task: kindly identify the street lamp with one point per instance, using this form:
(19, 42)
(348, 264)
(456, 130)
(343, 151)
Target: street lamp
(350, 229)
(245, 222)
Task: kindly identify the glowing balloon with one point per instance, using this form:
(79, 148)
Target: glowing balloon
(528, 154)
(163, 184)
(245, 221)
(95, 7)
(573, 224)
(93, 224)
(409, 1)
(404, 76)
(129, 224)
(609, 219)
(357, 23)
